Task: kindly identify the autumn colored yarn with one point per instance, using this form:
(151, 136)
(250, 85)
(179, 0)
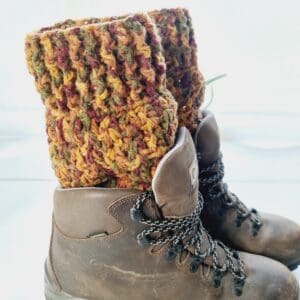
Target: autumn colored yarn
(109, 116)
(184, 79)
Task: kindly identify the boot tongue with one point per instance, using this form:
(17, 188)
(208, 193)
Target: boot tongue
(175, 182)
(207, 138)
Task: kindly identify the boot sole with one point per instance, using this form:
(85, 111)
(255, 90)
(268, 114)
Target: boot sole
(50, 295)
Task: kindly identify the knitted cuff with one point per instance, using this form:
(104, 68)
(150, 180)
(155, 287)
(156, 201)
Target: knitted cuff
(109, 116)
(184, 79)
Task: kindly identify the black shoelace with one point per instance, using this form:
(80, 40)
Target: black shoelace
(185, 232)
(211, 180)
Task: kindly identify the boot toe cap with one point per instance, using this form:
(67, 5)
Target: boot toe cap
(269, 279)
(281, 239)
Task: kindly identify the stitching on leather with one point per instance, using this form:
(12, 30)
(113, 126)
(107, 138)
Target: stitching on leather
(112, 211)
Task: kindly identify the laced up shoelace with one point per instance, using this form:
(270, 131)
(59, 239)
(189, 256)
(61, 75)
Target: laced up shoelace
(211, 179)
(182, 233)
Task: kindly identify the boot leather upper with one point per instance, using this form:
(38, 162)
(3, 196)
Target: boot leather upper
(278, 238)
(94, 252)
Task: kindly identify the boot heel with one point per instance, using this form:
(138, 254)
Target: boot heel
(52, 294)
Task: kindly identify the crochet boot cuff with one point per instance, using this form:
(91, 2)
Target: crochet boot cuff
(109, 115)
(184, 78)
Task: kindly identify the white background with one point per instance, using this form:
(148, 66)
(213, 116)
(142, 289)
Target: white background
(257, 43)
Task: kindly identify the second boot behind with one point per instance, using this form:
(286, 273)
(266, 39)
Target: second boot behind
(227, 218)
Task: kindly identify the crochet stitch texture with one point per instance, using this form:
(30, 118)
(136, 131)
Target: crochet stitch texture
(109, 116)
(184, 79)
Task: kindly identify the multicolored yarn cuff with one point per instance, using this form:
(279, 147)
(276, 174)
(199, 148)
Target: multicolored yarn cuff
(109, 116)
(184, 79)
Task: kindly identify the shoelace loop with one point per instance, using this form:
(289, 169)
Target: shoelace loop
(183, 233)
(211, 179)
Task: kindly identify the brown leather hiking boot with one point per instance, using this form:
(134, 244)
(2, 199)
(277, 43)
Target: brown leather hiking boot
(114, 244)
(227, 218)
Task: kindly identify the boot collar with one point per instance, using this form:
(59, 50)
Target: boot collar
(175, 183)
(207, 138)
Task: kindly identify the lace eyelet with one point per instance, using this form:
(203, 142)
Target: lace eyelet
(235, 254)
(239, 283)
(253, 210)
(255, 228)
(136, 215)
(143, 241)
(171, 254)
(195, 263)
(229, 202)
(217, 278)
(238, 222)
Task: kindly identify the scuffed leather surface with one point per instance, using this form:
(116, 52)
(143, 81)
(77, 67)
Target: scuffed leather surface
(115, 267)
(278, 238)
(81, 219)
